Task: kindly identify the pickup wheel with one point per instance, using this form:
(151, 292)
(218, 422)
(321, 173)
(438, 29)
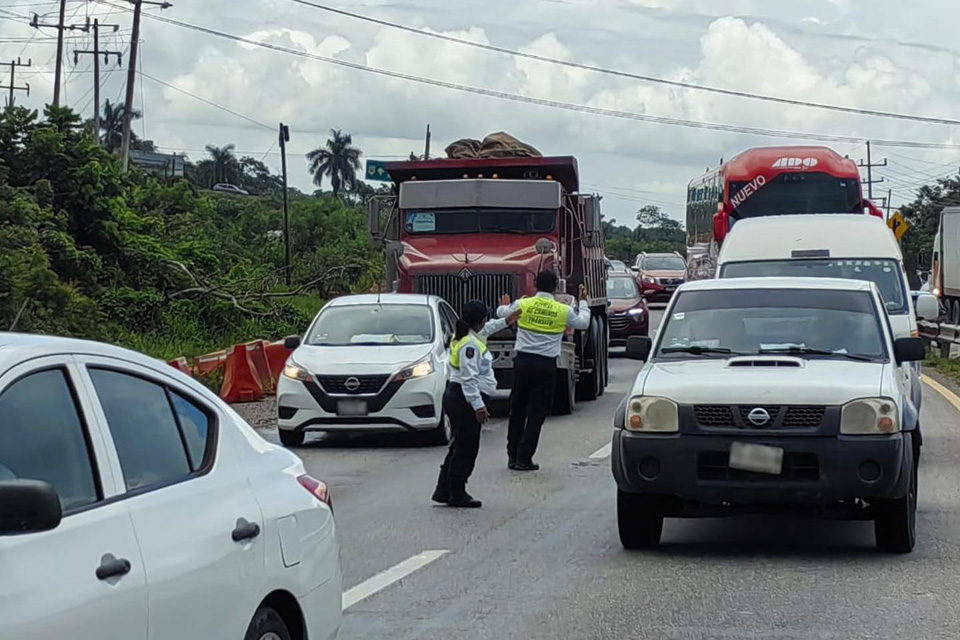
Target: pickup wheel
(565, 393)
(639, 521)
(895, 526)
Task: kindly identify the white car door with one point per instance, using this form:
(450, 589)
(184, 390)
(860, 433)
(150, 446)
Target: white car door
(196, 518)
(85, 578)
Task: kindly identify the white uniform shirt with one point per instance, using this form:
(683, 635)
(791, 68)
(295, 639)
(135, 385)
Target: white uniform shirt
(546, 344)
(475, 375)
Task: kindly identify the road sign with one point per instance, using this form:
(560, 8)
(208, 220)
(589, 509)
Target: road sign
(376, 170)
(898, 225)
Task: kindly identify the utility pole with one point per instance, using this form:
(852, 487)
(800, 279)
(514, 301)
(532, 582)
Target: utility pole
(426, 149)
(889, 200)
(132, 76)
(284, 139)
(96, 53)
(12, 87)
(869, 166)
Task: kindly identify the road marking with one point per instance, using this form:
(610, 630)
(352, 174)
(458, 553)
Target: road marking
(386, 578)
(950, 396)
(602, 452)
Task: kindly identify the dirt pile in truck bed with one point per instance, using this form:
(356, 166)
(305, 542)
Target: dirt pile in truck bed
(495, 145)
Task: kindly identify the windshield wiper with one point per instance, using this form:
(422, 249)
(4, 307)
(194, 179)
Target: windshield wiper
(698, 351)
(504, 230)
(806, 351)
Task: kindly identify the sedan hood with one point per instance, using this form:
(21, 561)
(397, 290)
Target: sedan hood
(618, 306)
(358, 360)
(715, 381)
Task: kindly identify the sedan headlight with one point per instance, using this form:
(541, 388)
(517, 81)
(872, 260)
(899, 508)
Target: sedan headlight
(653, 415)
(295, 372)
(418, 369)
(869, 416)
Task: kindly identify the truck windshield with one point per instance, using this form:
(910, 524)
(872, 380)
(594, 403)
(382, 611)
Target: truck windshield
(793, 193)
(372, 324)
(886, 274)
(479, 221)
(806, 322)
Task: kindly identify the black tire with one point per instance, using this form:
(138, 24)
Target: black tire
(639, 521)
(266, 621)
(291, 438)
(588, 386)
(565, 394)
(603, 350)
(895, 526)
(440, 436)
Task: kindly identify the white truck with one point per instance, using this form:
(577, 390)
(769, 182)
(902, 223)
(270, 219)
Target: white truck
(945, 265)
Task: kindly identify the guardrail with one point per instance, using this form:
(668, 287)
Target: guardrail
(945, 335)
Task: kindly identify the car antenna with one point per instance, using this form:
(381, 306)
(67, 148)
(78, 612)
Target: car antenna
(379, 291)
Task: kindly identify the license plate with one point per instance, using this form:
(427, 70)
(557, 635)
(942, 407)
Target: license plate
(670, 288)
(351, 408)
(756, 457)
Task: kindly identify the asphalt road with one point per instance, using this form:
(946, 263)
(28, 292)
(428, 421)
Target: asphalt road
(542, 558)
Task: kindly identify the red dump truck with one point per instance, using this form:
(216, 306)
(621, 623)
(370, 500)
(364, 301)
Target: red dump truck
(479, 228)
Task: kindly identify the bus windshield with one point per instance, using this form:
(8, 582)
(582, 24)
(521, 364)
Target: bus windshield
(471, 220)
(794, 193)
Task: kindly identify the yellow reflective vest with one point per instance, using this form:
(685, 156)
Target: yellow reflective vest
(459, 344)
(543, 315)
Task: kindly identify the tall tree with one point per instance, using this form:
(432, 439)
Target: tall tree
(111, 123)
(224, 162)
(339, 160)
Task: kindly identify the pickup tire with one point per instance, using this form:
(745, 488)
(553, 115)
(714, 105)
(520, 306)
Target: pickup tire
(895, 526)
(639, 521)
(565, 393)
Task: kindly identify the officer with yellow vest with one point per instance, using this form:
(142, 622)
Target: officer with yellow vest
(471, 377)
(540, 331)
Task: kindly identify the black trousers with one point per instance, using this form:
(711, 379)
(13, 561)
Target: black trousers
(534, 381)
(465, 445)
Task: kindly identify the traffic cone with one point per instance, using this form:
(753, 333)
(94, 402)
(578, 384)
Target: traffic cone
(181, 365)
(257, 352)
(241, 383)
(207, 364)
(277, 355)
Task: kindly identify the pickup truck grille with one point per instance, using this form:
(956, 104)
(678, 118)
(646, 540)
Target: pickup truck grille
(737, 416)
(797, 467)
(459, 288)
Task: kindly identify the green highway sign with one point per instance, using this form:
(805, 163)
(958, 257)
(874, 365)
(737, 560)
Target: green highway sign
(376, 170)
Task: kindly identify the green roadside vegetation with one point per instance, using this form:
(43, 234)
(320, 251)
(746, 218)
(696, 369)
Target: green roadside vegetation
(950, 368)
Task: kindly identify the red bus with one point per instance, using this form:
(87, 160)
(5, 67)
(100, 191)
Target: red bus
(767, 181)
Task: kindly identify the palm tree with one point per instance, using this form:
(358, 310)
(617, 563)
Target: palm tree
(111, 123)
(224, 162)
(339, 161)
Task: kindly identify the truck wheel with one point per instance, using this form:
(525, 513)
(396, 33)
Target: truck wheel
(565, 394)
(639, 521)
(588, 387)
(895, 526)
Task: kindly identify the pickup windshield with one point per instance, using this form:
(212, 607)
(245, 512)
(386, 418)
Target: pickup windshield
(802, 322)
(886, 274)
(479, 221)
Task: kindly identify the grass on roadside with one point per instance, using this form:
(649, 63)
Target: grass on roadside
(948, 367)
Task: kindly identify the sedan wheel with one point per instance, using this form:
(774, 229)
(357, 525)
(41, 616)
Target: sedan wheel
(267, 625)
(443, 433)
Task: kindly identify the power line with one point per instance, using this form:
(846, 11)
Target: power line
(566, 106)
(205, 101)
(626, 74)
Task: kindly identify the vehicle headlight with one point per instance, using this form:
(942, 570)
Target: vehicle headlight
(870, 416)
(418, 369)
(652, 414)
(635, 312)
(649, 280)
(295, 372)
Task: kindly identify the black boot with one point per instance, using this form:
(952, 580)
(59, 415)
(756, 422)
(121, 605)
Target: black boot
(442, 493)
(460, 498)
(525, 465)
(511, 461)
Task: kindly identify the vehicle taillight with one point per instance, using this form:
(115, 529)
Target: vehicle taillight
(319, 489)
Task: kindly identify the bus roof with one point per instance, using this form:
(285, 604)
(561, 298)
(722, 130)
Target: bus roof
(750, 163)
(563, 169)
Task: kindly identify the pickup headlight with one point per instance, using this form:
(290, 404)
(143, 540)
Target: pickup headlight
(418, 369)
(870, 416)
(295, 372)
(635, 312)
(652, 414)
(649, 280)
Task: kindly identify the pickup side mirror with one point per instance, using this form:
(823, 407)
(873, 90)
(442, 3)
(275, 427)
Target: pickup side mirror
(28, 506)
(928, 307)
(638, 348)
(635, 268)
(909, 350)
(291, 342)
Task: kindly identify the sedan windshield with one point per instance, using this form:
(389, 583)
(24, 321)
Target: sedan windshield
(885, 273)
(622, 289)
(804, 322)
(372, 324)
(664, 263)
(479, 221)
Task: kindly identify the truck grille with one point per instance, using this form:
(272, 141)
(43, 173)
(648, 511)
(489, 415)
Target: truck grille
(358, 385)
(736, 417)
(459, 288)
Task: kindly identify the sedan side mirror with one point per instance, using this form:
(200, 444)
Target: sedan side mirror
(291, 342)
(638, 348)
(635, 269)
(928, 307)
(909, 350)
(28, 506)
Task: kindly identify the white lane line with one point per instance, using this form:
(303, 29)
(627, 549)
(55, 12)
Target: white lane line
(386, 578)
(948, 395)
(602, 452)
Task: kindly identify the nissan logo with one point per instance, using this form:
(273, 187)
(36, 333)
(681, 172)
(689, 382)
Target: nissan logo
(758, 417)
(351, 384)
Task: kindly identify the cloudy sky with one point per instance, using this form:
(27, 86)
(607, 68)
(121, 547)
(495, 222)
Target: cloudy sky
(872, 54)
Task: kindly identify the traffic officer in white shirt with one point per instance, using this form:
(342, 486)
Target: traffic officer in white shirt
(471, 377)
(542, 324)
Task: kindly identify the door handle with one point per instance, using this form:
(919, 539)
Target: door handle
(245, 530)
(111, 567)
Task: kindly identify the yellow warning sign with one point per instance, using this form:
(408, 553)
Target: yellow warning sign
(898, 225)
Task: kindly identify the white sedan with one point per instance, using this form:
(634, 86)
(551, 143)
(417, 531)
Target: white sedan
(135, 504)
(373, 363)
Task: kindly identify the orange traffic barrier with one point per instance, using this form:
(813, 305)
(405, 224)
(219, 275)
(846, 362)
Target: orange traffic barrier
(181, 365)
(277, 355)
(241, 382)
(207, 364)
(257, 353)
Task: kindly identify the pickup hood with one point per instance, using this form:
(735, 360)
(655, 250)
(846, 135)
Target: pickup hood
(360, 360)
(664, 273)
(714, 381)
(482, 253)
